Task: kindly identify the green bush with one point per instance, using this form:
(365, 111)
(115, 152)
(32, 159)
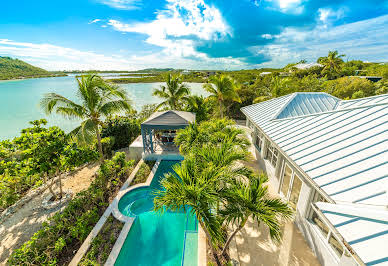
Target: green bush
(37, 151)
(102, 245)
(64, 233)
(347, 88)
(123, 129)
(143, 172)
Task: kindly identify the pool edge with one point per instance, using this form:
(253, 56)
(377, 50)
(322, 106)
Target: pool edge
(126, 219)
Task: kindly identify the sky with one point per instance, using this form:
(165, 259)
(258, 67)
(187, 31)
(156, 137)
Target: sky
(190, 34)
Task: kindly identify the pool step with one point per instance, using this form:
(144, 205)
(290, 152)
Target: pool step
(190, 252)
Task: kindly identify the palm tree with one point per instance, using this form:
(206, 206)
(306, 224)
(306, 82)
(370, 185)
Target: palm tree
(98, 99)
(332, 63)
(251, 199)
(173, 93)
(199, 106)
(210, 132)
(279, 86)
(222, 88)
(194, 187)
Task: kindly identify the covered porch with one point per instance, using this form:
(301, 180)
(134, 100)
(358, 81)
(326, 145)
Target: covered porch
(159, 130)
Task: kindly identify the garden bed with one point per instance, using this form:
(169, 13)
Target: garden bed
(59, 239)
(103, 243)
(143, 172)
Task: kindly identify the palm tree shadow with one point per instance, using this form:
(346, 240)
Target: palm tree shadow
(255, 247)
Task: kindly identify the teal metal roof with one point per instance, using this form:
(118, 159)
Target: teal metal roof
(344, 151)
(308, 103)
(365, 228)
(343, 148)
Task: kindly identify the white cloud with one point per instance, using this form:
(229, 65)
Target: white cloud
(328, 15)
(363, 40)
(182, 20)
(122, 4)
(267, 36)
(53, 57)
(94, 21)
(288, 6)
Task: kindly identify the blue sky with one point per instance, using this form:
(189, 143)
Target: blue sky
(195, 34)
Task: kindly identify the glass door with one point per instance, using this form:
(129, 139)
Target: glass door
(290, 186)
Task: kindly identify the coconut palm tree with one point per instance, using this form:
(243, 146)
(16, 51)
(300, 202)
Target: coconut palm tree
(174, 93)
(199, 106)
(210, 132)
(194, 187)
(222, 88)
(332, 63)
(97, 100)
(279, 86)
(250, 198)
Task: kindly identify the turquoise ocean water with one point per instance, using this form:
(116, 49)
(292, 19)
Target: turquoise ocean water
(19, 101)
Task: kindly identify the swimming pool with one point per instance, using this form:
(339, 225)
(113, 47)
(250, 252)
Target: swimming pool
(157, 239)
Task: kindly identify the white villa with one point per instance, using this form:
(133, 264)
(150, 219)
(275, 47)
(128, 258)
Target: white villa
(304, 66)
(329, 158)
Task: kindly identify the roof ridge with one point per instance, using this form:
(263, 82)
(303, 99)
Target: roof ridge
(273, 99)
(359, 99)
(284, 105)
(332, 111)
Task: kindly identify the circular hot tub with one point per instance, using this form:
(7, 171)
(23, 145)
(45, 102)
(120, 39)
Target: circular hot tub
(136, 201)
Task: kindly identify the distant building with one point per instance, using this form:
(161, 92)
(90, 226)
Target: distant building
(262, 74)
(329, 159)
(304, 66)
(370, 78)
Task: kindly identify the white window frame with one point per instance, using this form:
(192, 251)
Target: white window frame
(293, 174)
(259, 136)
(326, 239)
(267, 149)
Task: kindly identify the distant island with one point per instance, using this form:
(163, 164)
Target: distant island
(17, 69)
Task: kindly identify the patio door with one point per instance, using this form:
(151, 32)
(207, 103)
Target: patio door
(291, 185)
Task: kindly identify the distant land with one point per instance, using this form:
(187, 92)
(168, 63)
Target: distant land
(17, 69)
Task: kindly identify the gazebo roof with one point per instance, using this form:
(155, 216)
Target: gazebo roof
(170, 118)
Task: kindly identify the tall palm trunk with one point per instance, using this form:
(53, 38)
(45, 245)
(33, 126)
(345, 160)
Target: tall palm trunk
(208, 236)
(221, 109)
(239, 227)
(99, 143)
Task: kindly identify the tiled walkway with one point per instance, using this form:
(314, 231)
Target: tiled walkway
(253, 246)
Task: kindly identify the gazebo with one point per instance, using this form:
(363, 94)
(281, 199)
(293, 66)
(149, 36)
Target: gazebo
(158, 131)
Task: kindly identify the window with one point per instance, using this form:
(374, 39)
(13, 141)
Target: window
(286, 180)
(295, 191)
(336, 245)
(291, 185)
(320, 224)
(272, 155)
(259, 141)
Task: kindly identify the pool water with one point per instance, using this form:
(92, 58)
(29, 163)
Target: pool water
(167, 239)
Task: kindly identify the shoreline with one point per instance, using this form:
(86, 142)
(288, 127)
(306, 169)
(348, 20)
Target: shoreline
(24, 78)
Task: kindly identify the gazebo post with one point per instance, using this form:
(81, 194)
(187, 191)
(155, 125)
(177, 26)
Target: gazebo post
(152, 145)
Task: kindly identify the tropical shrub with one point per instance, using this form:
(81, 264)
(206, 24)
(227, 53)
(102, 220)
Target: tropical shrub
(103, 243)
(143, 172)
(213, 132)
(124, 130)
(37, 152)
(350, 88)
(64, 233)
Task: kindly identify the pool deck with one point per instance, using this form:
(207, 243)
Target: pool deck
(253, 246)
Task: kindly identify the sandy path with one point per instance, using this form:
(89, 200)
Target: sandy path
(20, 226)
